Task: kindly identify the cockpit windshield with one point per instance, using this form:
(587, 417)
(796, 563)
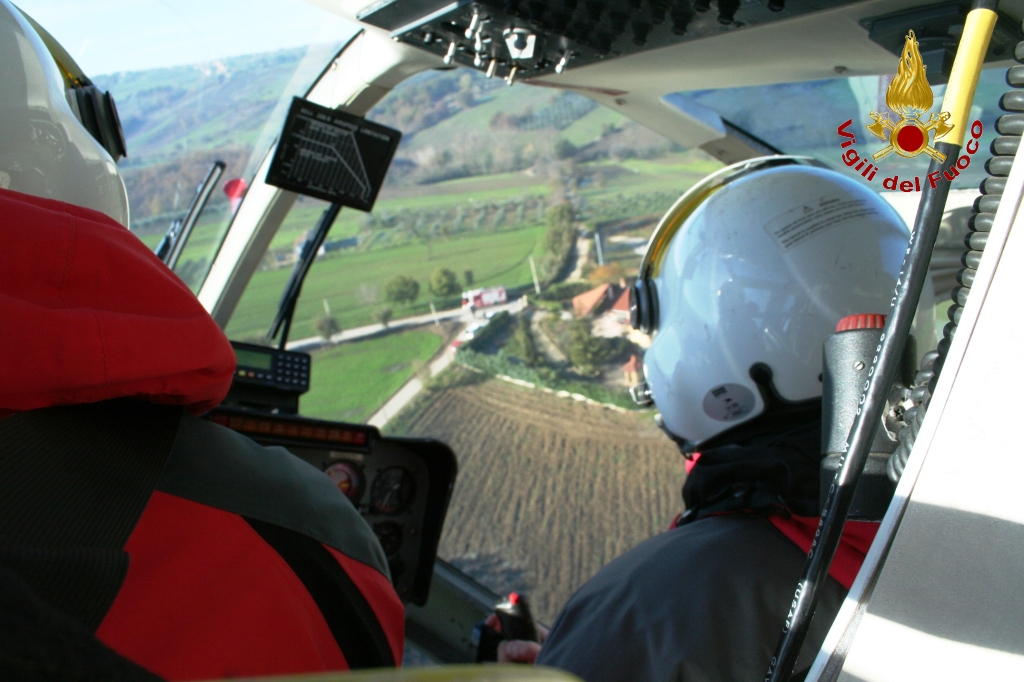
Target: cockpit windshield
(482, 302)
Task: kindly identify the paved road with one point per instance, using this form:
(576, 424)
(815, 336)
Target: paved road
(314, 342)
(411, 388)
(409, 391)
(582, 254)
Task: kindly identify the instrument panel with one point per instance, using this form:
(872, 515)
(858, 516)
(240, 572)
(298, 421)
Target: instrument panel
(267, 379)
(401, 486)
(262, 366)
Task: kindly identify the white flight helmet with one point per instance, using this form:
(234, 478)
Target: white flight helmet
(743, 280)
(44, 148)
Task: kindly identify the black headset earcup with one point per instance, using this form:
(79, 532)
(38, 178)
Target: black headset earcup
(98, 115)
(116, 131)
(87, 112)
(634, 305)
(643, 306)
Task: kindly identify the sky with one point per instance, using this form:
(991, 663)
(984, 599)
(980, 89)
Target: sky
(107, 36)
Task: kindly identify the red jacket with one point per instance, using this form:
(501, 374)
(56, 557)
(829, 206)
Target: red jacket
(246, 560)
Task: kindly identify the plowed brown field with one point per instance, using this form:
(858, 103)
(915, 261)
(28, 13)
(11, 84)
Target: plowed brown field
(549, 490)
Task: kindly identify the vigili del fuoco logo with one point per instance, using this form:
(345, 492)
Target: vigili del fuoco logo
(909, 96)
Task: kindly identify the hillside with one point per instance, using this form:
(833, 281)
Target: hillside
(178, 120)
(455, 124)
(166, 112)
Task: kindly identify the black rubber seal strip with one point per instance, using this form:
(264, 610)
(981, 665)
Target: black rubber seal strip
(353, 623)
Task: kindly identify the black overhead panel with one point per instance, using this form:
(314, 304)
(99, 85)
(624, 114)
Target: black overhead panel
(937, 29)
(516, 39)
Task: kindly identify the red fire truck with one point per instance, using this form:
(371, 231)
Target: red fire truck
(482, 298)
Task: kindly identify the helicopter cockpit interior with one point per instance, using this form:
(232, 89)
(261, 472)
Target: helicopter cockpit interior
(420, 225)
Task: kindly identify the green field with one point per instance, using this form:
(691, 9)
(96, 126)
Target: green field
(302, 217)
(439, 196)
(592, 126)
(209, 231)
(351, 281)
(352, 381)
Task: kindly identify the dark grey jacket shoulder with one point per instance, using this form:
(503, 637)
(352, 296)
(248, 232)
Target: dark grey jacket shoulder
(218, 467)
(702, 603)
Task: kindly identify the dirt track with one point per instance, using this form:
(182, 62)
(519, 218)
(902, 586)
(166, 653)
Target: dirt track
(549, 490)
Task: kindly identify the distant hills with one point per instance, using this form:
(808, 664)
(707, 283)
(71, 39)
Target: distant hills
(167, 112)
(178, 120)
(455, 123)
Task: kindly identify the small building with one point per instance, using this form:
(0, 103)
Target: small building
(621, 306)
(614, 322)
(338, 244)
(593, 301)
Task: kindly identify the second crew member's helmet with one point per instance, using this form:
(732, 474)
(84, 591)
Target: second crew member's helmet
(742, 282)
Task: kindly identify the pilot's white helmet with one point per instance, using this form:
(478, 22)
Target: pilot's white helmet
(44, 148)
(743, 281)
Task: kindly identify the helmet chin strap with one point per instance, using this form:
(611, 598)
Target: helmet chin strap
(780, 416)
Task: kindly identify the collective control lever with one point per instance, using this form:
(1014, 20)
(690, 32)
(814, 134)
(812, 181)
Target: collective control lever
(516, 619)
(516, 622)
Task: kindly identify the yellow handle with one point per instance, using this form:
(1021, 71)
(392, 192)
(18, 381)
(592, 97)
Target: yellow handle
(963, 80)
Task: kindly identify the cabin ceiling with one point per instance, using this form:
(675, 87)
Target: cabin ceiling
(800, 44)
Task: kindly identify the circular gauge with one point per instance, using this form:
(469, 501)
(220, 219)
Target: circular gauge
(392, 490)
(348, 478)
(390, 535)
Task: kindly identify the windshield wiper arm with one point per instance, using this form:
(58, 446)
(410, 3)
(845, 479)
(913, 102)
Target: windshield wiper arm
(314, 240)
(171, 246)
